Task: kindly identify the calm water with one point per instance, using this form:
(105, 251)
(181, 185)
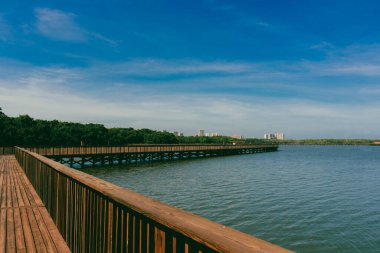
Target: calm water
(304, 198)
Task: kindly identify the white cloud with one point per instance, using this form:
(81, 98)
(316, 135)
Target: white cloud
(59, 25)
(76, 95)
(188, 113)
(355, 69)
(159, 67)
(355, 60)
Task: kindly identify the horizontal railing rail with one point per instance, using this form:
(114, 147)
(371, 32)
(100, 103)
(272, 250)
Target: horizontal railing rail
(58, 151)
(96, 216)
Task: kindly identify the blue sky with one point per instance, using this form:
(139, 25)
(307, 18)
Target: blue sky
(310, 69)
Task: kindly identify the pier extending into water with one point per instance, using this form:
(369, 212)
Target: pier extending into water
(91, 156)
(93, 215)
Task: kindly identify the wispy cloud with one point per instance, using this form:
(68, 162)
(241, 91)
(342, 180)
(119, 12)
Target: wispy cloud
(78, 94)
(100, 37)
(62, 26)
(356, 60)
(241, 17)
(370, 91)
(59, 25)
(188, 113)
(255, 22)
(322, 46)
(156, 93)
(160, 67)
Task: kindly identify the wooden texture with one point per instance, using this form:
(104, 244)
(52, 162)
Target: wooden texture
(96, 216)
(81, 157)
(25, 224)
(7, 150)
(61, 151)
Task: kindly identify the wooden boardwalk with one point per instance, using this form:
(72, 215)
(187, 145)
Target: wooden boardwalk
(96, 216)
(81, 157)
(25, 224)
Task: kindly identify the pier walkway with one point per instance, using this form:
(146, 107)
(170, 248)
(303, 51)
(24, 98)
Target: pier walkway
(92, 156)
(25, 224)
(48, 207)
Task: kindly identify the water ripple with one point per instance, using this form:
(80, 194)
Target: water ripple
(305, 198)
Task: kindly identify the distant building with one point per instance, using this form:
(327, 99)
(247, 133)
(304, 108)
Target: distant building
(280, 136)
(201, 132)
(207, 134)
(276, 136)
(214, 134)
(269, 136)
(238, 137)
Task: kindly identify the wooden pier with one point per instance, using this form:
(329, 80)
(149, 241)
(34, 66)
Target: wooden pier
(91, 156)
(25, 224)
(40, 197)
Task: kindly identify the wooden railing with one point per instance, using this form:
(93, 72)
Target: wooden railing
(7, 150)
(96, 216)
(50, 151)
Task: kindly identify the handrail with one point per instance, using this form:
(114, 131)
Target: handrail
(96, 216)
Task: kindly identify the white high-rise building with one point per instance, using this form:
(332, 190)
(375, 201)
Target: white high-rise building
(279, 136)
(276, 136)
(269, 136)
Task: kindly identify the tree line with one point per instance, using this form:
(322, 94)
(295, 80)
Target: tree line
(26, 131)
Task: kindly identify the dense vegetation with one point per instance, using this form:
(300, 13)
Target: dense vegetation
(26, 131)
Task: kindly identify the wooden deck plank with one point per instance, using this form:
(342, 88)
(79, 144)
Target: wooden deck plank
(8, 203)
(38, 240)
(11, 238)
(2, 184)
(25, 224)
(20, 241)
(20, 199)
(32, 195)
(29, 241)
(23, 193)
(44, 231)
(3, 227)
(14, 201)
(4, 192)
(59, 242)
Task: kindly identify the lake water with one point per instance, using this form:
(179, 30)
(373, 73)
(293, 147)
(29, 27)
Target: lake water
(304, 198)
